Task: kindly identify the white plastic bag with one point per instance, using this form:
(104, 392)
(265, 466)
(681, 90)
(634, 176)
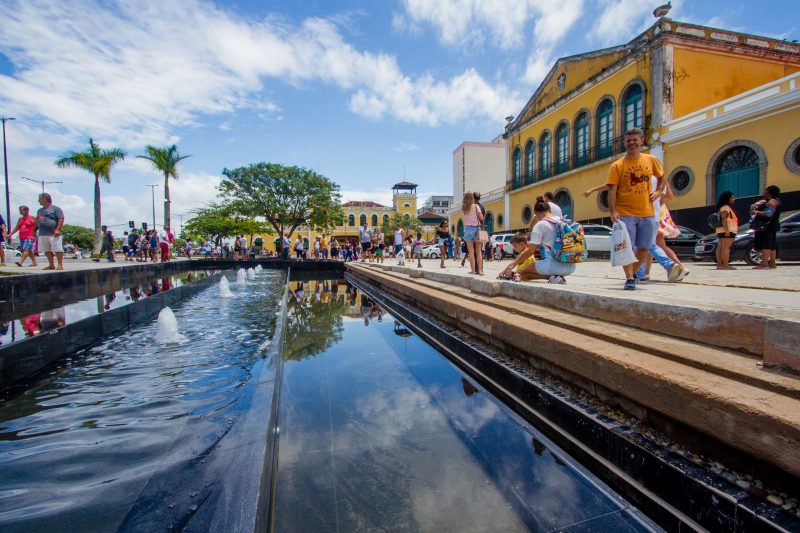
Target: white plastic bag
(621, 251)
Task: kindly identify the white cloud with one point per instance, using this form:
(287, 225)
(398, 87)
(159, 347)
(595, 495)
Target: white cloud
(382, 196)
(406, 147)
(621, 20)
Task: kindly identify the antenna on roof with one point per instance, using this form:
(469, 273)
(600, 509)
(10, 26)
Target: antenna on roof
(661, 11)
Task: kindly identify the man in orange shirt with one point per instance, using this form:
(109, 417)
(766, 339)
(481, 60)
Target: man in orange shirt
(630, 199)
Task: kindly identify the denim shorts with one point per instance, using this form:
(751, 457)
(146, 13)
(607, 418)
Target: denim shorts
(471, 233)
(551, 267)
(641, 230)
(26, 245)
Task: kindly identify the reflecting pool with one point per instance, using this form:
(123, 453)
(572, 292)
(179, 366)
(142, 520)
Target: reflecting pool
(91, 437)
(378, 431)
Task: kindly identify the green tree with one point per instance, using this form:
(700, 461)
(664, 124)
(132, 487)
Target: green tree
(411, 225)
(78, 235)
(164, 160)
(221, 220)
(286, 197)
(99, 163)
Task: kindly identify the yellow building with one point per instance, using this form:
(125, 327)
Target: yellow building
(719, 108)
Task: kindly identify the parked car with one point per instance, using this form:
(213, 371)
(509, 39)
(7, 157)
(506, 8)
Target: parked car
(684, 244)
(431, 251)
(501, 245)
(11, 251)
(597, 237)
(742, 248)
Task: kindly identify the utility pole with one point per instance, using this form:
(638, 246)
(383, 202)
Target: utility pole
(41, 181)
(5, 165)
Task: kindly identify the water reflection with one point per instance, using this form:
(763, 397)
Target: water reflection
(379, 431)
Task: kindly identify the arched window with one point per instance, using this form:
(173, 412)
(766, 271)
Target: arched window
(530, 161)
(385, 219)
(562, 148)
(582, 140)
(738, 172)
(488, 223)
(516, 161)
(362, 220)
(563, 199)
(544, 155)
(633, 108)
(406, 205)
(460, 228)
(374, 220)
(605, 129)
(351, 220)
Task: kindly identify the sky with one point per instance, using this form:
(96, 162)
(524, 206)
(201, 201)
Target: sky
(367, 93)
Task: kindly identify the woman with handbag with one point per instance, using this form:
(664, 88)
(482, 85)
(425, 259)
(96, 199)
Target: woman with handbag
(473, 220)
(765, 224)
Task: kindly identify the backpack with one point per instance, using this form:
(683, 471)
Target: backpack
(714, 220)
(569, 245)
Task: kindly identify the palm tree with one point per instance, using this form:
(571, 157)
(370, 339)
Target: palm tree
(164, 160)
(98, 162)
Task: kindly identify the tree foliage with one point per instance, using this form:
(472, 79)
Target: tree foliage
(78, 235)
(164, 160)
(221, 220)
(287, 197)
(99, 162)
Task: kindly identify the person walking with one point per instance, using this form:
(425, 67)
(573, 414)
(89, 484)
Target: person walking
(286, 246)
(726, 233)
(630, 198)
(365, 236)
(133, 245)
(766, 219)
(25, 226)
(399, 238)
(473, 218)
(334, 248)
(163, 243)
(419, 244)
(380, 246)
(49, 221)
(442, 235)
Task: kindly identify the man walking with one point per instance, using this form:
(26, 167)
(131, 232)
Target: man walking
(365, 235)
(49, 221)
(630, 198)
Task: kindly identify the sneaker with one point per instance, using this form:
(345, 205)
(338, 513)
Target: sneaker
(675, 273)
(556, 280)
(630, 284)
(685, 273)
(643, 278)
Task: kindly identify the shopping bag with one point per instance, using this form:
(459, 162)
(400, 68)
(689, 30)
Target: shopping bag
(483, 235)
(621, 251)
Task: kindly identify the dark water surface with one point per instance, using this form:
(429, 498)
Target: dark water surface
(79, 447)
(378, 432)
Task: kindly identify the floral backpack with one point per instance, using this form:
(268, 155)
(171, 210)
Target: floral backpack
(569, 245)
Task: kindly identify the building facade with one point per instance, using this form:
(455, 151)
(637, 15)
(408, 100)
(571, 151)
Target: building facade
(719, 109)
(439, 205)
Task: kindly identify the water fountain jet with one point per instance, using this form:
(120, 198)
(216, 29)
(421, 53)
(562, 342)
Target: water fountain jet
(168, 328)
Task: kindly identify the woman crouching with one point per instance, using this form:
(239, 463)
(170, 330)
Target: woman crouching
(526, 266)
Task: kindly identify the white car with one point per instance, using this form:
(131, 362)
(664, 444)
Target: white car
(501, 245)
(598, 238)
(11, 252)
(431, 251)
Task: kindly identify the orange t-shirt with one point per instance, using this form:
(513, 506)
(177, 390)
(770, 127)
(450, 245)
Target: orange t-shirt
(632, 178)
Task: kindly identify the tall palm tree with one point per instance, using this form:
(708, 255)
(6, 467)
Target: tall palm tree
(98, 162)
(164, 160)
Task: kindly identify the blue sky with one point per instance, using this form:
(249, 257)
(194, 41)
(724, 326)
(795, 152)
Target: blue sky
(364, 92)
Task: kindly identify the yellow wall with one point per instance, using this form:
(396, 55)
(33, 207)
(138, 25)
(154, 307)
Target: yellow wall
(774, 134)
(702, 77)
(577, 72)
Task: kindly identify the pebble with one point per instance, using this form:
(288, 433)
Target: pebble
(777, 500)
(729, 477)
(743, 483)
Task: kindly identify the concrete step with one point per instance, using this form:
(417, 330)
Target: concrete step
(716, 392)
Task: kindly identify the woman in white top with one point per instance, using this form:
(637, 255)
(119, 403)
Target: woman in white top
(473, 218)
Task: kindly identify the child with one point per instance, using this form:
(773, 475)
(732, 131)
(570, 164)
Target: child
(418, 245)
(463, 252)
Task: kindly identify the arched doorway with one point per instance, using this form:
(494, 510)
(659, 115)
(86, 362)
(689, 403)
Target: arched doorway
(738, 171)
(488, 223)
(563, 199)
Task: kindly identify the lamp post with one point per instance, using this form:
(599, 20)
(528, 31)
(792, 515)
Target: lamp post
(41, 181)
(5, 165)
(153, 190)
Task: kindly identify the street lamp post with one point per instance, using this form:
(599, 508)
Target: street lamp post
(153, 189)
(41, 181)
(5, 165)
